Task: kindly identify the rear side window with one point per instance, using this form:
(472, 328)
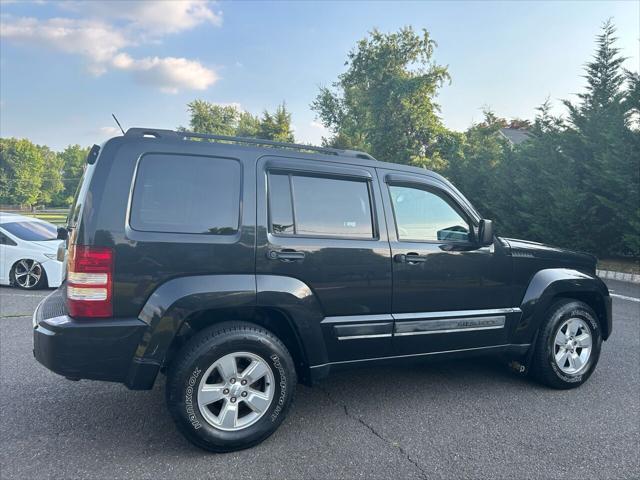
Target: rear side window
(321, 206)
(4, 240)
(186, 194)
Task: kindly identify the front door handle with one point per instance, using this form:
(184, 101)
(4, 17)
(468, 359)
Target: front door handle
(286, 255)
(411, 258)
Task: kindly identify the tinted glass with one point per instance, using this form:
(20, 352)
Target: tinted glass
(74, 211)
(186, 194)
(4, 240)
(32, 231)
(280, 210)
(325, 206)
(423, 215)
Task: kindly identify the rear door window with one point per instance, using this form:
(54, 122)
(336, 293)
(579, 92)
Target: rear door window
(320, 206)
(186, 194)
(280, 205)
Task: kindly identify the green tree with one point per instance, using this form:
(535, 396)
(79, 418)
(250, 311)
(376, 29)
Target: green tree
(248, 125)
(519, 123)
(605, 153)
(215, 119)
(535, 195)
(385, 102)
(575, 182)
(475, 169)
(631, 238)
(276, 126)
(52, 183)
(73, 161)
(21, 170)
(206, 117)
(632, 100)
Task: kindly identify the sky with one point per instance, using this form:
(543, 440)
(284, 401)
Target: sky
(65, 67)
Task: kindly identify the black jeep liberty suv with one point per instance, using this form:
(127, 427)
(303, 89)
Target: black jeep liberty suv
(239, 267)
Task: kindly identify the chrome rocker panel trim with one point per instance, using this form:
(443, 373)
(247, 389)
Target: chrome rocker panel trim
(426, 323)
(498, 348)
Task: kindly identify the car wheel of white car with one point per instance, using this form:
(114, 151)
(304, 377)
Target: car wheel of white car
(28, 274)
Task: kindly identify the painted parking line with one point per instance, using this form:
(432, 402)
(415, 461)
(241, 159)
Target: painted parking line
(21, 295)
(624, 297)
(9, 292)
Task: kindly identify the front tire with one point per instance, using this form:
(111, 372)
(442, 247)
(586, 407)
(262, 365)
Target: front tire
(568, 345)
(230, 386)
(28, 275)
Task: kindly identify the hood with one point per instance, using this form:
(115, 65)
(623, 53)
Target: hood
(48, 246)
(560, 256)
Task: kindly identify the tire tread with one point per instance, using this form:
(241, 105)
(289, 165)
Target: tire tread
(540, 368)
(188, 355)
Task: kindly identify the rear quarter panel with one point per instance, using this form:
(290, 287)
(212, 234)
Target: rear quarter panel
(144, 262)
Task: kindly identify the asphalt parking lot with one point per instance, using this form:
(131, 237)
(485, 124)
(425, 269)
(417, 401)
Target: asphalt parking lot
(471, 419)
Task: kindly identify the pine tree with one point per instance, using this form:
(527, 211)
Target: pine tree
(605, 160)
(276, 126)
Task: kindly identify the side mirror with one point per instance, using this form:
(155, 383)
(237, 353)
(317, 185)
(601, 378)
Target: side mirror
(63, 233)
(485, 232)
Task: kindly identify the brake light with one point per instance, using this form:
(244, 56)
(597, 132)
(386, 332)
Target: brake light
(89, 281)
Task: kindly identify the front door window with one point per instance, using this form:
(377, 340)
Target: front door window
(422, 215)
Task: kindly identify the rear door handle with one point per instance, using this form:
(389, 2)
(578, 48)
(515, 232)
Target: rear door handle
(285, 255)
(411, 258)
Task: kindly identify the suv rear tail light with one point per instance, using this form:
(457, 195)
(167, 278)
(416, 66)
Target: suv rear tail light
(89, 281)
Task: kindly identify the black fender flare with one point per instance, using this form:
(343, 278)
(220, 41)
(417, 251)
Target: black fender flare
(548, 284)
(297, 301)
(172, 302)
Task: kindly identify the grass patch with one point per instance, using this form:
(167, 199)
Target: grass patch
(55, 218)
(626, 265)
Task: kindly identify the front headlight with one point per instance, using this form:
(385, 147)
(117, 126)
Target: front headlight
(52, 256)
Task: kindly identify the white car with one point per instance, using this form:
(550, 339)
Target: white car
(28, 252)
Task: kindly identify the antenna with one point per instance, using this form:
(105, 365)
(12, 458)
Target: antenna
(121, 129)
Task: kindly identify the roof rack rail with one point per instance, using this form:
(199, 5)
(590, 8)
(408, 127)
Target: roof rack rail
(184, 135)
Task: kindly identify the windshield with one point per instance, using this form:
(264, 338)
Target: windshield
(32, 231)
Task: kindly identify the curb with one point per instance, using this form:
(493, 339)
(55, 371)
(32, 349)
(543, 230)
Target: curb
(620, 276)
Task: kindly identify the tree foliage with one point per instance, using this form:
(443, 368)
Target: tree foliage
(574, 183)
(52, 173)
(385, 102)
(276, 126)
(601, 144)
(35, 175)
(21, 171)
(211, 118)
(207, 117)
(72, 164)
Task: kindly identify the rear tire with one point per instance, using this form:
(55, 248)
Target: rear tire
(214, 398)
(568, 345)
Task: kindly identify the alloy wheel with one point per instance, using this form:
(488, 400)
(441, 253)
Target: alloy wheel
(27, 273)
(236, 391)
(573, 345)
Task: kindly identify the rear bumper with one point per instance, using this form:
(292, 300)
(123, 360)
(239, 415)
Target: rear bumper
(102, 349)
